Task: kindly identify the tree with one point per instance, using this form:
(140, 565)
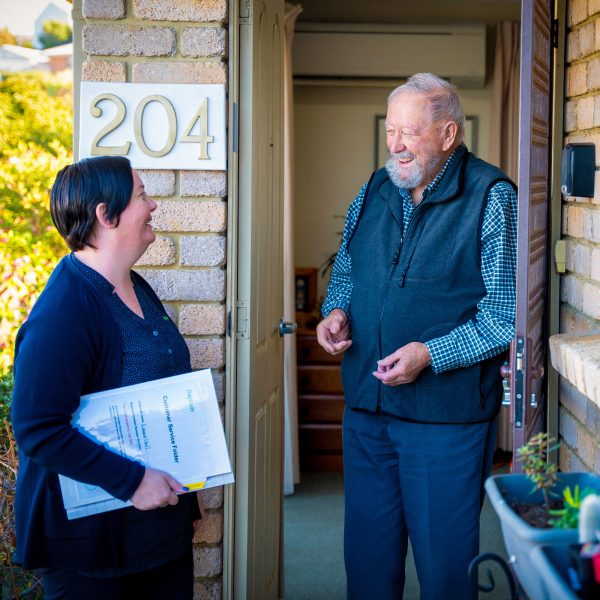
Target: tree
(35, 143)
(6, 37)
(55, 33)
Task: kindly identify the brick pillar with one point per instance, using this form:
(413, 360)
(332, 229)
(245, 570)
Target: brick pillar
(573, 354)
(177, 41)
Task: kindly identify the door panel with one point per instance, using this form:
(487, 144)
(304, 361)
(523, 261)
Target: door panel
(527, 357)
(259, 420)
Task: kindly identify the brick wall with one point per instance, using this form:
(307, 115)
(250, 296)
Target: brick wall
(177, 41)
(580, 287)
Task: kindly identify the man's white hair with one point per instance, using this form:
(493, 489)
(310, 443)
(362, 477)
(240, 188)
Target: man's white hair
(444, 103)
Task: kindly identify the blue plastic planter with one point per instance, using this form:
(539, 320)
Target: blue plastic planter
(521, 538)
(552, 563)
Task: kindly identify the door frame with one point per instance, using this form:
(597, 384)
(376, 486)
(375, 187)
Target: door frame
(553, 278)
(235, 566)
(555, 213)
(233, 100)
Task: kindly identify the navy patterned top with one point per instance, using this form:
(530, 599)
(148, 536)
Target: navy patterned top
(152, 348)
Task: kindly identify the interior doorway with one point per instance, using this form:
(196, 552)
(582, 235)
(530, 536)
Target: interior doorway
(338, 143)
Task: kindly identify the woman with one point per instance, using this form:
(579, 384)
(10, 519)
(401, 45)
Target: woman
(97, 325)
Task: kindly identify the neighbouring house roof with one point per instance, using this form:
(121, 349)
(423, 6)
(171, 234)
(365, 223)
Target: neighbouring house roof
(20, 17)
(17, 58)
(62, 50)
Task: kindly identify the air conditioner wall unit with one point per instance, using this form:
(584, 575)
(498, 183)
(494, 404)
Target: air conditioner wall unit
(339, 50)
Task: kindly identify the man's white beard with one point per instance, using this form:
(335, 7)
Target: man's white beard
(415, 176)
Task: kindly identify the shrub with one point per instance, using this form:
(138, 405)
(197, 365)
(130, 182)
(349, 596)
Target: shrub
(55, 33)
(35, 143)
(14, 581)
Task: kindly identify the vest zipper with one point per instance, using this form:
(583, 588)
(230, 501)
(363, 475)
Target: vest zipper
(418, 210)
(395, 260)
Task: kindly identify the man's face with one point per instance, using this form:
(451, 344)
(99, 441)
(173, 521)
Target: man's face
(415, 142)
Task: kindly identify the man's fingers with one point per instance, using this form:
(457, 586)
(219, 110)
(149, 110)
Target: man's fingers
(338, 347)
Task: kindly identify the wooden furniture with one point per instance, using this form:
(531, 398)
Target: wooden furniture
(320, 405)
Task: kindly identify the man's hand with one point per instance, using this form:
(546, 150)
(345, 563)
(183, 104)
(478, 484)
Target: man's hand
(404, 365)
(157, 489)
(333, 332)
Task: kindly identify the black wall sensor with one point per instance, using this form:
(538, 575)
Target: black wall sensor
(578, 170)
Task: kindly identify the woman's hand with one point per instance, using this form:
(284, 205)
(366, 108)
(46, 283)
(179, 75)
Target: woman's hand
(157, 489)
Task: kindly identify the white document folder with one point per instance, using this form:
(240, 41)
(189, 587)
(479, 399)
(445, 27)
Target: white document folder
(171, 424)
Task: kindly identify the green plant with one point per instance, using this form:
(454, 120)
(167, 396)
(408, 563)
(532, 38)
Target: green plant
(542, 473)
(35, 143)
(568, 516)
(328, 263)
(15, 583)
(55, 33)
(6, 37)
(6, 385)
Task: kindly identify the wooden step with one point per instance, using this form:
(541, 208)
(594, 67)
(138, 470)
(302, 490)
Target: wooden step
(320, 437)
(317, 379)
(322, 463)
(320, 408)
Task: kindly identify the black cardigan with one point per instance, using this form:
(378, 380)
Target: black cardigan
(69, 346)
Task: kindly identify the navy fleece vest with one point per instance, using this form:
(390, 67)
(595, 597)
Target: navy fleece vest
(418, 288)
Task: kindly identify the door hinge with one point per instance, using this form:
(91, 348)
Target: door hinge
(241, 321)
(236, 126)
(554, 33)
(245, 7)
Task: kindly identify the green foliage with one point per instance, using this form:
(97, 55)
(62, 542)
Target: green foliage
(536, 466)
(14, 581)
(6, 37)
(36, 113)
(55, 33)
(35, 143)
(6, 385)
(568, 516)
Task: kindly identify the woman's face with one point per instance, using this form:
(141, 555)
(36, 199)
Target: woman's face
(134, 222)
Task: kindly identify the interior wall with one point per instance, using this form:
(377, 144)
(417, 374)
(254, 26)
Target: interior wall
(335, 155)
(407, 11)
(335, 126)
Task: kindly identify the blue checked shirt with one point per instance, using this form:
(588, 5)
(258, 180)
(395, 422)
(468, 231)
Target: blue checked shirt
(492, 328)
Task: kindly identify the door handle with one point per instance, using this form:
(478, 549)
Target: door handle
(287, 327)
(537, 372)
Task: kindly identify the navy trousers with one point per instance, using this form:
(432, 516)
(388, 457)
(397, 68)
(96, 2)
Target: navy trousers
(417, 481)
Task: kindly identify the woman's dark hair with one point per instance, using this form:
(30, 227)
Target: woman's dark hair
(78, 190)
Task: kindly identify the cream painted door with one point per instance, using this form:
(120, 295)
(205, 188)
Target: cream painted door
(259, 419)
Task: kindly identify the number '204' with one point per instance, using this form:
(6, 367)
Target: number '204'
(201, 116)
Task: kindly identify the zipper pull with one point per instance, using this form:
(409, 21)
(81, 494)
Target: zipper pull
(397, 253)
(402, 277)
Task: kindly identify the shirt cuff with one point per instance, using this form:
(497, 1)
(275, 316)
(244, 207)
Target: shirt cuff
(329, 306)
(443, 354)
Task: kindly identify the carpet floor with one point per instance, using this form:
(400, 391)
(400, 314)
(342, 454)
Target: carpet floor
(313, 544)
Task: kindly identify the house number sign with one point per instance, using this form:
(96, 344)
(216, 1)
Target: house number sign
(156, 126)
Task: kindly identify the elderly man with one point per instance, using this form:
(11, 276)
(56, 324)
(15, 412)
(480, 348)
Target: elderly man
(421, 302)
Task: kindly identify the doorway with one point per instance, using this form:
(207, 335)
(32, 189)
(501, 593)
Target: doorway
(336, 123)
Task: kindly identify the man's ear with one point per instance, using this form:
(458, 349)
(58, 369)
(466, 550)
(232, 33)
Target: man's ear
(103, 221)
(449, 133)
